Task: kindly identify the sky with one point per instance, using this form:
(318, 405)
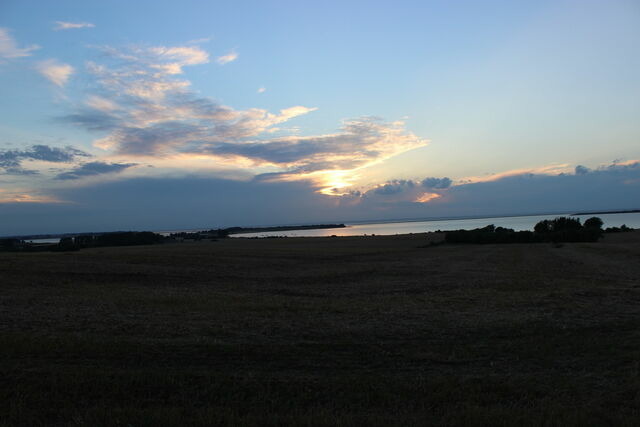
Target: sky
(159, 115)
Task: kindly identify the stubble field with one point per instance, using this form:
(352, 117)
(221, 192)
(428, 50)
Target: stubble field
(323, 331)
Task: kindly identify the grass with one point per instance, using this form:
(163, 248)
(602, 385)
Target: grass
(324, 331)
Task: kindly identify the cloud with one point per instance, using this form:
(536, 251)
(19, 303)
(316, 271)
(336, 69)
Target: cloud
(396, 192)
(20, 197)
(603, 188)
(427, 197)
(225, 59)
(56, 72)
(150, 111)
(46, 153)
(359, 143)
(18, 171)
(613, 186)
(438, 183)
(93, 119)
(99, 103)
(262, 90)
(9, 48)
(544, 170)
(147, 109)
(11, 160)
(200, 40)
(137, 203)
(94, 168)
(581, 170)
(62, 25)
(178, 57)
(166, 203)
(394, 187)
(619, 162)
(181, 125)
(148, 68)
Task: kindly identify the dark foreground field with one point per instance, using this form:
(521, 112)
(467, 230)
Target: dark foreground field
(326, 331)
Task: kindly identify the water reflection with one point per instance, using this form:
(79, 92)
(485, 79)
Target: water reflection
(405, 227)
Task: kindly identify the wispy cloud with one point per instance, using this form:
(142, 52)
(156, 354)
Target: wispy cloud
(64, 25)
(359, 142)
(9, 48)
(56, 72)
(229, 57)
(553, 169)
(99, 103)
(148, 109)
(11, 161)
(178, 57)
(18, 171)
(427, 197)
(200, 40)
(94, 168)
(10, 197)
(40, 152)
(262, 89)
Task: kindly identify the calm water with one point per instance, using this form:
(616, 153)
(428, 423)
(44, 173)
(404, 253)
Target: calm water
(387, 228)
(51, 240)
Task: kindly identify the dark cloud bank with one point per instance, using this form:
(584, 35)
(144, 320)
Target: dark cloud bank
(191, 202)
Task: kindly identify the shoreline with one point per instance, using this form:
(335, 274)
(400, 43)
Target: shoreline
(606, 212)
(346, 224)
(249, 230)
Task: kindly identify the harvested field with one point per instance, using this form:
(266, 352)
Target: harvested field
(323, 331)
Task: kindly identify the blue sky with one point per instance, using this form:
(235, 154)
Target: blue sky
(332, 110)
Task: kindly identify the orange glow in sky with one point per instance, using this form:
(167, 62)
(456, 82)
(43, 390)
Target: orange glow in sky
(427, 197)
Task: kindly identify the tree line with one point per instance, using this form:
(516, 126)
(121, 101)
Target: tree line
(558, 230)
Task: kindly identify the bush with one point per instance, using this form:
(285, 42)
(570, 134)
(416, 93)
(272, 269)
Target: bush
(621, 229)
(557, 230)
(564, 229)
(128, 238)
(490, 234)
(10, 244)
(594, 223)
(66, 244)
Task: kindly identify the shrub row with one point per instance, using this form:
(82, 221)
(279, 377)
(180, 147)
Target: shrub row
(562, 229)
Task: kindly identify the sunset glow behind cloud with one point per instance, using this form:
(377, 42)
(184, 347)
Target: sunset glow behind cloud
(351, 125)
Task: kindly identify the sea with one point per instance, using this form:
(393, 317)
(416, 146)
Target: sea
(517, 223)
(385, 228)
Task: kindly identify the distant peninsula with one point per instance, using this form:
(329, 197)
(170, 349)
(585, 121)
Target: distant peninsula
(244, 230)
(606, 212)
(220, 232)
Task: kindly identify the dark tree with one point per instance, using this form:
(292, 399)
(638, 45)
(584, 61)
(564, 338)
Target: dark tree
(565, 229)
(594, 223)
(564, 223)
(83, 241)
(10, 244)
(542, 227)
(66, 244)
(128, 238)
